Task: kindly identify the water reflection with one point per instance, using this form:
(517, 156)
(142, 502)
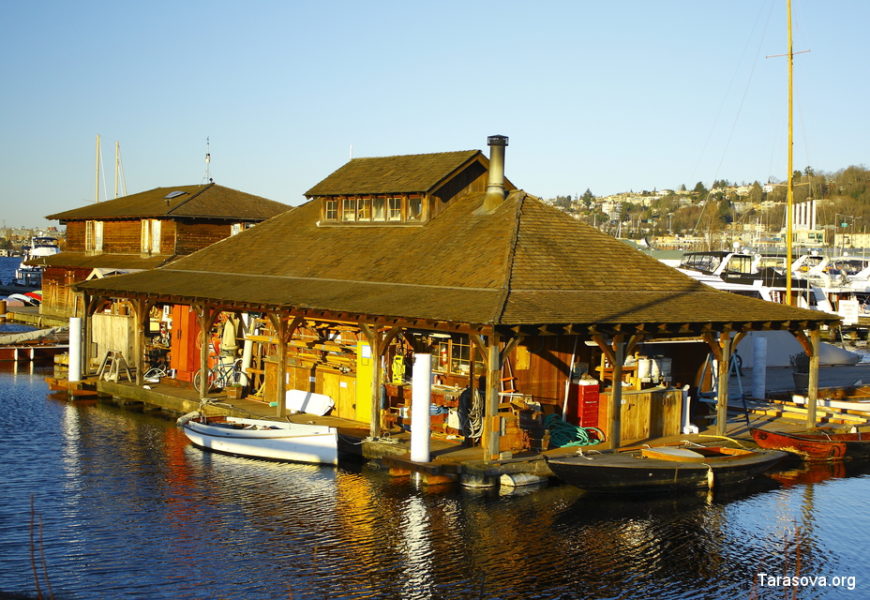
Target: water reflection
(132, 510)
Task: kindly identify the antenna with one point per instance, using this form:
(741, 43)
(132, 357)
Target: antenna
(208, 178)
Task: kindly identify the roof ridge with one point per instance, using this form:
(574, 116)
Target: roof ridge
(506, 286)
(191, 197)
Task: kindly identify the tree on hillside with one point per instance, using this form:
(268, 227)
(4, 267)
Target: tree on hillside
(700, 190)
(756, 193)
(587, 198)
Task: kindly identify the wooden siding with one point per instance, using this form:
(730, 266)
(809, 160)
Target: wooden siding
(75, 236)
(57, 295)
(122, 237)
(190, 237)
(646, 414)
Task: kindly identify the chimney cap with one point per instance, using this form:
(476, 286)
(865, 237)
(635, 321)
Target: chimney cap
(497, 140)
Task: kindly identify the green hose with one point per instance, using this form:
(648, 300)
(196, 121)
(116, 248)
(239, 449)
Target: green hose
(564, 434)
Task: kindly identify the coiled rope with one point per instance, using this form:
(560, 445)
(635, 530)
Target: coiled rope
(563, 434)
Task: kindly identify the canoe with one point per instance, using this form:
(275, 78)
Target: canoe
(816, 445)
(255, 438)
(662, 468)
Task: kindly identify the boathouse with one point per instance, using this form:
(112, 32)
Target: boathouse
(518, 304)
(143, 231)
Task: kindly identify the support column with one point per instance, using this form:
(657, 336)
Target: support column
(491, 425)
(615, 409)
(813, 382)
(421, 398)
(74, 371)
(722, 388)
(205, 321)
(281, 383)
(142, 313)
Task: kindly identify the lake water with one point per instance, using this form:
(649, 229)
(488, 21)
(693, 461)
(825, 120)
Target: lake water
(101, 502)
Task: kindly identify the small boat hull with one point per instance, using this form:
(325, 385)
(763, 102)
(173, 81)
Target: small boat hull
(631, 471)
(815, 446)
(273, 440)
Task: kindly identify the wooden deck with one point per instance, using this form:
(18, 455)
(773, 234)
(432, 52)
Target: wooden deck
(451, 460)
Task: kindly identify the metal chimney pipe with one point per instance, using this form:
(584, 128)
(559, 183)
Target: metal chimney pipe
(495, 181)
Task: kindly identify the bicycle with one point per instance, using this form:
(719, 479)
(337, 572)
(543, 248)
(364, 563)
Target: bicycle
(220, 376)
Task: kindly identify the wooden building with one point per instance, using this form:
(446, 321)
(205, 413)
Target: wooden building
(514, 299)
(143, 231)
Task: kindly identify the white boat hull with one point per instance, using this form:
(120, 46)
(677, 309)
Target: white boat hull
(274, 440)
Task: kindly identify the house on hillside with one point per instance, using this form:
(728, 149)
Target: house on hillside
(518, 305)
(143, 231)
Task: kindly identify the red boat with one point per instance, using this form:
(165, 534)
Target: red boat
(816, 445)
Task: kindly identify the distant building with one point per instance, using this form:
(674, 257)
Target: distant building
(143, 231)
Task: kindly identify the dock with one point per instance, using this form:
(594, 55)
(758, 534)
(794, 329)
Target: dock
(451, 460)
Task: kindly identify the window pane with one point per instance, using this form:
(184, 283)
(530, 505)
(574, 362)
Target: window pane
(415, 209)
(394, 211)
(364, 209)
(379, 209)
(348, 209)
(330, 211)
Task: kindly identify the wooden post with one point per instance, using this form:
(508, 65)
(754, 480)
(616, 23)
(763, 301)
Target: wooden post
(284, 332)
(204, 315)
(140, 308)
(379, 342)
(615, 411)
(813, 383)
(615, 353)
(281, 383)
(725, 342)
(491, 426)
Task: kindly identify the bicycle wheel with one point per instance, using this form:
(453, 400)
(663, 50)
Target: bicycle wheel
(209, 380)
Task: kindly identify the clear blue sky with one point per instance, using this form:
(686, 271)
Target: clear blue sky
(609, 96)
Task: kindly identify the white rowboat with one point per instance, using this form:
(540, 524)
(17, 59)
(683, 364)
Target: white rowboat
(274, 440)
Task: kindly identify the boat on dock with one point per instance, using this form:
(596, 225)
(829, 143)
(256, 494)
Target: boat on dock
(261, 438)
(816, 446)
(34, 346)
(662, 468)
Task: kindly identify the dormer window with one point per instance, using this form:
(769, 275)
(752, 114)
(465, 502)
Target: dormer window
(373, 210)
(348, 209)
(394, 209)
(364, 209)
(379, 209)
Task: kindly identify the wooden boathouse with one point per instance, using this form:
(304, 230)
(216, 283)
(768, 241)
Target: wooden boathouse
(143, 231)
(519, 305)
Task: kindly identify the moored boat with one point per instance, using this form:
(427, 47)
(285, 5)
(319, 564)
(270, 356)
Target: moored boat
(260, 438)
(662, 468)
(816, 445)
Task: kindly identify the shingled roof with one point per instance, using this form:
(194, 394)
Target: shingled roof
(525, 263)
(411, 173)
(209, 201)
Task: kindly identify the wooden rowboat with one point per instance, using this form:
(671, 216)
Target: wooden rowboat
(816, 445)
(662, 468)
(256, 438)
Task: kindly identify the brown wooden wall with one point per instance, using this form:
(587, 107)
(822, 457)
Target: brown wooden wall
(58, 298)
(190, 237)
(541, 366)
(75, 236)
(122, 237)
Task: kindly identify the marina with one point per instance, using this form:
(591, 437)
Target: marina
(127, 507)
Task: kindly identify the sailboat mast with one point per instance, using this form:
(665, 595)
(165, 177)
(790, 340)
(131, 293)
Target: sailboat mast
(790, 188)
(97, 172)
